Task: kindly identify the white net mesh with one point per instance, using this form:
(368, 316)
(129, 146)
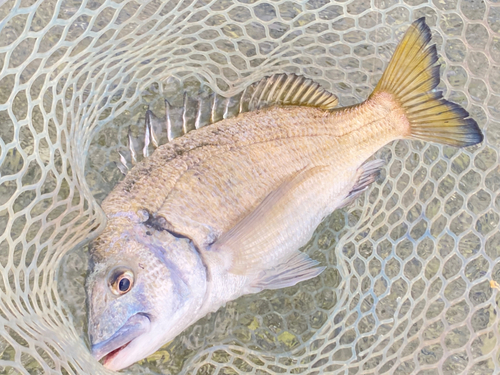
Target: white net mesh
(407, 289)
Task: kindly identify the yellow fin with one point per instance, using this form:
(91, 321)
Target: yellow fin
(410, 77)
(286, 89)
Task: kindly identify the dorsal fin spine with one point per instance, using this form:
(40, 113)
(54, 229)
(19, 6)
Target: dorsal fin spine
(133, 155)
(226, 108)
(149, 128)
(198, 114)
(168, 120)
(214, 108)
(145, 149)
(184, 109)
(240, 109)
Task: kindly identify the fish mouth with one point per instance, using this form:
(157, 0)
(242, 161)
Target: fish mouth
(111, 355)
(109, 349)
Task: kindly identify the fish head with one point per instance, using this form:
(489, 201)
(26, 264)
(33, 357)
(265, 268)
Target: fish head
(142, 292)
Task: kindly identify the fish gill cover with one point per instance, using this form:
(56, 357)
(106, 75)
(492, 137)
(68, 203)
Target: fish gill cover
(407, 288)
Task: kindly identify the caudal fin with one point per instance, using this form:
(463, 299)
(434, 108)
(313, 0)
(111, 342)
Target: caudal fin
(411, 76)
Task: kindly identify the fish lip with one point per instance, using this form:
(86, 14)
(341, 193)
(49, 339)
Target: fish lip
(135, 326)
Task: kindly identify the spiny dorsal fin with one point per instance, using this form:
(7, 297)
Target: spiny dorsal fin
(278, 89)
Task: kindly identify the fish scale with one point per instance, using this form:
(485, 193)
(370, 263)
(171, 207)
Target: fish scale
(288, 157)
(170, 185)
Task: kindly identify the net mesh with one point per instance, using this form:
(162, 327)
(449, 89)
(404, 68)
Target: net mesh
(407, 288)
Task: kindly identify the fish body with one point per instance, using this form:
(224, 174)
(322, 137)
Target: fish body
(222, 211)
(204, 183)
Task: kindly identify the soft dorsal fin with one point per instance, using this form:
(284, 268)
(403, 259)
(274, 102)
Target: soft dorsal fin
(286, 89)
(278, 89)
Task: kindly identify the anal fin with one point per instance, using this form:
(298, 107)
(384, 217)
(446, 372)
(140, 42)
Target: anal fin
(299, 267)
(367, 174)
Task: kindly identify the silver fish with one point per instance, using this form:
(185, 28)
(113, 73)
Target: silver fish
(222, 211)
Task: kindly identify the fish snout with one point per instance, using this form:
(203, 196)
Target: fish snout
(135, 326)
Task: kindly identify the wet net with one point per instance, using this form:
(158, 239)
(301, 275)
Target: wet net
(408, 288)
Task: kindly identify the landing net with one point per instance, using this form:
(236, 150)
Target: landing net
(407, 289)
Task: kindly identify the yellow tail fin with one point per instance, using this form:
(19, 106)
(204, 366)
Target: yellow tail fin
(411, 76)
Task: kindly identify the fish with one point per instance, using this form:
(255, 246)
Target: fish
(223, 210)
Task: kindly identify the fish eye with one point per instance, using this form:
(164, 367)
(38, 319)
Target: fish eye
(121, 281)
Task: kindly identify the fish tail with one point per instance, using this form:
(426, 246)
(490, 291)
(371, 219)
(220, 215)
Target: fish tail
(410, 78)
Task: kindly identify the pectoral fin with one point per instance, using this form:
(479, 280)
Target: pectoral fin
(283, 221)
